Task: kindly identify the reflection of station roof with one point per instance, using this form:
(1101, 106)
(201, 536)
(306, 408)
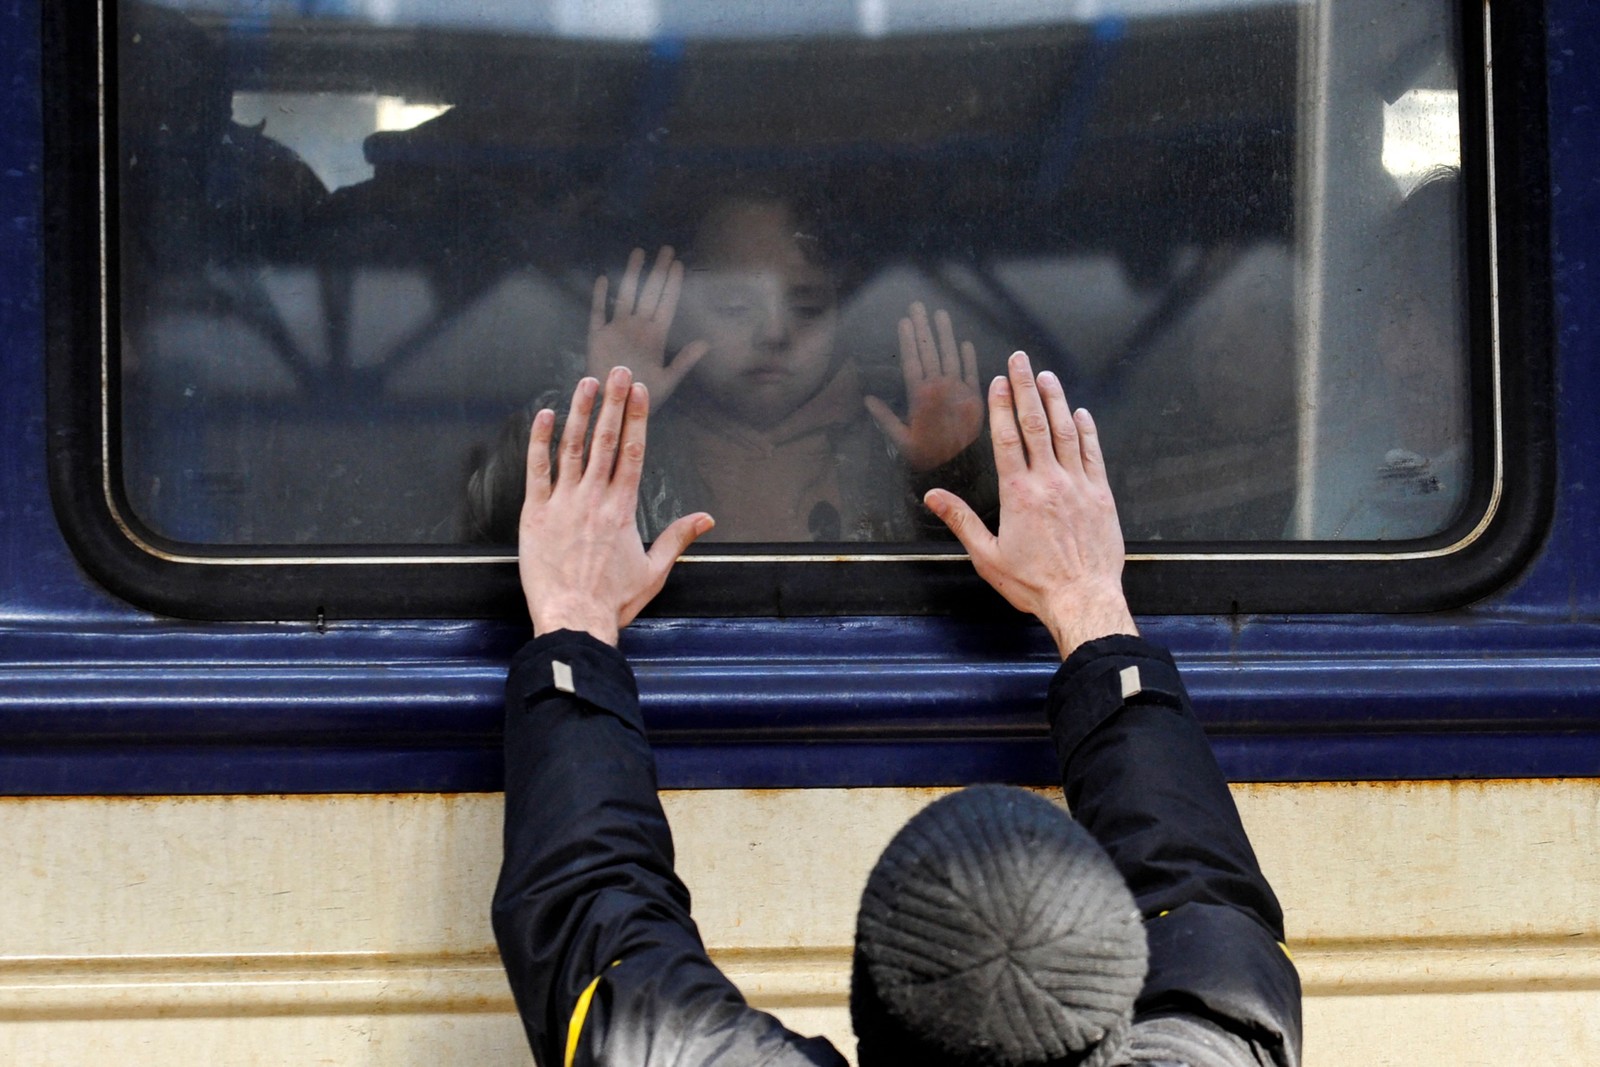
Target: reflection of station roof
(1119, 124)
(715, 19)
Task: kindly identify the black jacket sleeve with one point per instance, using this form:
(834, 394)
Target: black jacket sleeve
(588, 906)
(1139, 774)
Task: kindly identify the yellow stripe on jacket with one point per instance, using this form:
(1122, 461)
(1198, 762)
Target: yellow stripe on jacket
(580, 1012)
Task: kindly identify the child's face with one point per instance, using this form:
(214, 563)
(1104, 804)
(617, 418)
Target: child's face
(768, 313)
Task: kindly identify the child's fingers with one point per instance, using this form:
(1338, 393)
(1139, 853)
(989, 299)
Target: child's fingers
(684, 362)
(889, 423)
(910, 361)
(667, 309)
(628, 289)
(1063, 432)
(655, 283)
(926, 351)
(949, 351)
(969, 364)
(597, 305)
(570, 462)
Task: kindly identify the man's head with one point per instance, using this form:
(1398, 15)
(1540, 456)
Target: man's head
(760, 293)
(995, 932)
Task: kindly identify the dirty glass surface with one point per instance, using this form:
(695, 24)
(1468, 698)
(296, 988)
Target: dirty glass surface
(357, 245)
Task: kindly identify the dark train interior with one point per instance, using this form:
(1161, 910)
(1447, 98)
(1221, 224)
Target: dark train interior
(306, 360)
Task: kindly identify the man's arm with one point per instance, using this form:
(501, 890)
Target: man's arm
(1137, 770)
(593, 924)
(1139, 774)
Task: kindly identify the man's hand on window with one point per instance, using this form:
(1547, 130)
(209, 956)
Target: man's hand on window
(582, 563)
(1059, 553)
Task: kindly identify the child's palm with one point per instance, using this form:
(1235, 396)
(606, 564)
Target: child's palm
(635, 334)
(945, 416)
(944, 408)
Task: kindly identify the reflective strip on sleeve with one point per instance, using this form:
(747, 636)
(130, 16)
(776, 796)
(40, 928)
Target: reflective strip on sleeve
(561, 675)
(580, 1012)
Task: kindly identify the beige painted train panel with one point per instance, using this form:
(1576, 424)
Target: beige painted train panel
(1430, 920)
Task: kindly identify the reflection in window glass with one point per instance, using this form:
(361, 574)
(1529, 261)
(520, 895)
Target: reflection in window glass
(361, 243)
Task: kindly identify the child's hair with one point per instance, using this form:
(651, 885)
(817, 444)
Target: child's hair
(823, 239)
(495, 487)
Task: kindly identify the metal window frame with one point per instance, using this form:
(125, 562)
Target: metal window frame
(1505, 521)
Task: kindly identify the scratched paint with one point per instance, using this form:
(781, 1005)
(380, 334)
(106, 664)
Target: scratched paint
(1428, 919)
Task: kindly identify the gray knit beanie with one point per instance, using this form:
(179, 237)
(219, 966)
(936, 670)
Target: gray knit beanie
(995, 932)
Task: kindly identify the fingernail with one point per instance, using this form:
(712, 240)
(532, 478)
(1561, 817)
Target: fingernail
(1001, 385)
(1019, 359)
(1048, 376)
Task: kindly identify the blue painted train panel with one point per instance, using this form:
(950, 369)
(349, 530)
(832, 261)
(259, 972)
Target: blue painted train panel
(1566, 581)
(99, 696)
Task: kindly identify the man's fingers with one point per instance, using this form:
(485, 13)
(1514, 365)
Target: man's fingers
(949, 351)
(597, 306)
(671, 544)
(1063, 432)
(1094, 461)
(608, 427)
(1003, 432)
(656, 282)
(537, 486)
(628, 289)
(659, 560)
(630, 450)
(1030, 408)
(895, 430)
(910, 361)
(570, 467)
(964, 523)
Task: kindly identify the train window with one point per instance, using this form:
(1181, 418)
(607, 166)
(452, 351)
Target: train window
(351, 247)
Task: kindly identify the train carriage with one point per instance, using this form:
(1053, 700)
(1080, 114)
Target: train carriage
(281, 273)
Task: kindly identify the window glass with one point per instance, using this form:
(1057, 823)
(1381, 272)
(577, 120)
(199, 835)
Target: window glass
(360, 242)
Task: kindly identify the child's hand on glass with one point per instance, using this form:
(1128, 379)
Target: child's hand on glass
(944, 406)
(635, 335)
